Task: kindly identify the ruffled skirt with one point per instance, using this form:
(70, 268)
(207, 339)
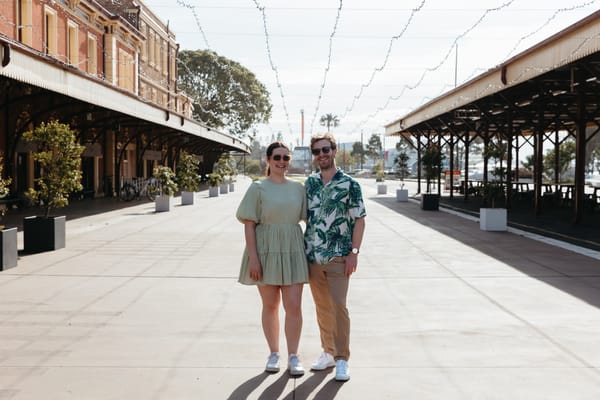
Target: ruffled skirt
(281, 253)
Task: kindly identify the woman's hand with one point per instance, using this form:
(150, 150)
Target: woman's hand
(255, 269)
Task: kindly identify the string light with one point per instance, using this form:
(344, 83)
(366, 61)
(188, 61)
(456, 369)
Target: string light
(335, 25)
(385, 61)
(426, 71)
(273, 67)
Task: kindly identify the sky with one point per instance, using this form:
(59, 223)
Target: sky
(367, 62)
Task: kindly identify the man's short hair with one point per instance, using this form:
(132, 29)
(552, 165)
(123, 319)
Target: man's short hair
(323, 136)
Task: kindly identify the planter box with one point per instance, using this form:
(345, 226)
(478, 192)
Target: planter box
(381, 189)
(163, 203)
(9, 254)
(187, 198)
(43, 234)
(224, 188)
(213, 191)
(402, 195)
(430, 201)
(231, 187)
(492, 219)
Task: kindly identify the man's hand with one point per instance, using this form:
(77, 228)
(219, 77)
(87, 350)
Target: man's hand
(351, 263)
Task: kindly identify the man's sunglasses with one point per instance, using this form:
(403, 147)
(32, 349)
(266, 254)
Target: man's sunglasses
(324, 149)
(278, 157)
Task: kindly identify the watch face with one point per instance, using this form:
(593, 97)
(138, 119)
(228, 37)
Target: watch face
(355, 250)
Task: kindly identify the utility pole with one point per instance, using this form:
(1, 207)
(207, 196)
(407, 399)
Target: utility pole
(302, 126)
(362, 149)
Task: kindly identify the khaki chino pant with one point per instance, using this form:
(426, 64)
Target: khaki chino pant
(329, 287)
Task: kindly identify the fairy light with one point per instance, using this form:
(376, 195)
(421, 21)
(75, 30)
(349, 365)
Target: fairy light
(385, 60)
(326, 72)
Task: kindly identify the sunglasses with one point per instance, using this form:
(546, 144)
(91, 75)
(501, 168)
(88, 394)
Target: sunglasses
(324, 149)
(278, 157)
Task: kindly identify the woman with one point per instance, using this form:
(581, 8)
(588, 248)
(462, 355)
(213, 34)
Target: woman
(274, 257)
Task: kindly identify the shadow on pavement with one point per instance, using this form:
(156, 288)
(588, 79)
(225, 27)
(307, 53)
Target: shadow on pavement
(570, 272)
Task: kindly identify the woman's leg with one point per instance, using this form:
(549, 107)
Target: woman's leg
(292, 303)
(270, 315)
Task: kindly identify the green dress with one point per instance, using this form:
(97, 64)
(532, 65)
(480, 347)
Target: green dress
(277, 209)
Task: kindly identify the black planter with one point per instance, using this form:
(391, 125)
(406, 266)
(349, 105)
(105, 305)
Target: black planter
(8, 251)
(430, 201)
(43, 234)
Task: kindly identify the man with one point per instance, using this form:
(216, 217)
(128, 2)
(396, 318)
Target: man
(334, 230)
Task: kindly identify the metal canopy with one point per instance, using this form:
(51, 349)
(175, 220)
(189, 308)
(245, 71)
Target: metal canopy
(543, 83)
(551, 87)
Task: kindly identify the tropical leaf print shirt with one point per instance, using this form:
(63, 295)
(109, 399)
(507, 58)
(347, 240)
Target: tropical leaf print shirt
(332, 210)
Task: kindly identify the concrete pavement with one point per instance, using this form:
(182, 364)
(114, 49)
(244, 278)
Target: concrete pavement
(141, 305)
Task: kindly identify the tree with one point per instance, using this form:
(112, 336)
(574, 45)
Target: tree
(225, 93)
(374, 146)
(401, 162)
(566, 154)
(329, 120)
(59, 157)
(187, 172)
(358, 152)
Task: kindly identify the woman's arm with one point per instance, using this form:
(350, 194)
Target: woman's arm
(254, 266)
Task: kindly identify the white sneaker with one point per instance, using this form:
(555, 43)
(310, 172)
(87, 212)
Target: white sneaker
(342, 371)
(324, 361)
(273, 363)
(295, 366)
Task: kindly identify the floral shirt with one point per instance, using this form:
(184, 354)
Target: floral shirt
(332, 210)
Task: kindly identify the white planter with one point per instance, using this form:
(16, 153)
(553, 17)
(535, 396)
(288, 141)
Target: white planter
(224, 188)
(187, 198)
(213, 191)
(381, 188)
(402, 195)
(163, 203)
(231, 187)
(492, 219)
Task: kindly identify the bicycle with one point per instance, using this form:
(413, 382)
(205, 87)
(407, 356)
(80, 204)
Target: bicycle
(138, 187)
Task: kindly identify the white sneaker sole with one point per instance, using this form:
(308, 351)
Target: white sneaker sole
(342, 378)
(321, 367)
(272, 369)
(296, 372)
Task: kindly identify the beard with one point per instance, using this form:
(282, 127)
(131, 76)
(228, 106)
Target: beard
(326, 164)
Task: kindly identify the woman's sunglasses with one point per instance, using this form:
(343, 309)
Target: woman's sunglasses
(278, 157)
(324, 149)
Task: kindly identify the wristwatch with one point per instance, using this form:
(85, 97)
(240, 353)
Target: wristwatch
(355, 250)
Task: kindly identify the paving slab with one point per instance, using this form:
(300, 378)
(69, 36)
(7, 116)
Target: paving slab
(145, 305)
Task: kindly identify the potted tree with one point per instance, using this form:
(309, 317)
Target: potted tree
(401, 162)
(59, 157)
(431, 160)
(224, 168)
(492, 218)
(380, 178)
(214, 181)
(8, 236)
(187, 177)
(167, 187)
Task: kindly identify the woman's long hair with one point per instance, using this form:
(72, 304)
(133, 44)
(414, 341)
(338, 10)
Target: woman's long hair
(273, 146)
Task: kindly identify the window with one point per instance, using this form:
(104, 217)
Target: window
(92, 54)
(126, 67)
(150, 48)
(165, 55)
(72, 43)
(50, 28)
(24, 22)
(144, 48)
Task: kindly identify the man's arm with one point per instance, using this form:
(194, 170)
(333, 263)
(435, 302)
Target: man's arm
(357, 237)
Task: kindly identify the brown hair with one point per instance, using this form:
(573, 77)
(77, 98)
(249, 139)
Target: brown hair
(273, 146)
(323, 136)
